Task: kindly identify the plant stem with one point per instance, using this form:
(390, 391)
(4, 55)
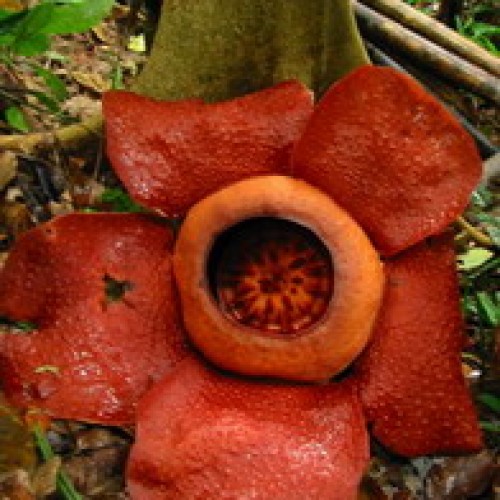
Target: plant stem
(474, 233)
(64, 483)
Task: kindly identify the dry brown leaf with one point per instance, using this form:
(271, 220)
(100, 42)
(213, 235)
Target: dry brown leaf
(8, 168)
(15, 217)
(45, 478)
(16, 486)
(91, 81)
(17, 449)
(461, 477)
(82, 106)
(11, 5)
(106, 34)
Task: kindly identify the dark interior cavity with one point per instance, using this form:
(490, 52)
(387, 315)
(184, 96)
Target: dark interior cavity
(271, 274)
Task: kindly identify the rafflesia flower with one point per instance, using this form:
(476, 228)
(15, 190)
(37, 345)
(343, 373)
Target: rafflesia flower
(315, 278)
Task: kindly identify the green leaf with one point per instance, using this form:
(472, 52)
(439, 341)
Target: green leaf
(56, 56)
(63, 2)
(36, 19)
(491, 401)
(469, 305)
(481, 29)
(17, 327)
(6, 40)
(51, 104)
(120, 201)
(32, 45)
(137, 43)
(75, 17)
(482, 197)
(491, 225)
(490, 426)
(10, 20)
(30, 38)
(25, 326)
(9, 25)
(489, 45)
(484, 268)
(16, 119)
(55, 84)
(117, 78)
(488, 310)
(474, 257)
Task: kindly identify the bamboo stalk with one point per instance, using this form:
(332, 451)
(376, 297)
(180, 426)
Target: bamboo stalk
(453, 67)
(436, 32)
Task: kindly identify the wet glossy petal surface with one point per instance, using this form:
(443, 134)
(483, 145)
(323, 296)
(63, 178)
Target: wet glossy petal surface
(97, 347)
(170, 155)
(204, 435)
(391, 155)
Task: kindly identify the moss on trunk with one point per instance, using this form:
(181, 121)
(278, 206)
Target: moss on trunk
(218, 49)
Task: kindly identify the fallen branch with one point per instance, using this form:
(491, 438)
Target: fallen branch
(436, 32)
(70, 137)
(375, 25)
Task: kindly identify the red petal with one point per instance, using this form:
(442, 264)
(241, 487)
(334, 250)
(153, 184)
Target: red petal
(204, 435)
(411, 380)
(170, 155)
(391, 155)
(89, 359)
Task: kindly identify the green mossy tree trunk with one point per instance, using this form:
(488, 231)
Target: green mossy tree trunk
(219, 49)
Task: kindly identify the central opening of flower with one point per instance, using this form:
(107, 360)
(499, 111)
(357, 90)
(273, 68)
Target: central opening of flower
(271, 274)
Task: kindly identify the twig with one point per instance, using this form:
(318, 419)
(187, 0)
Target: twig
(453, 67)
(475, 233)
(436, 32)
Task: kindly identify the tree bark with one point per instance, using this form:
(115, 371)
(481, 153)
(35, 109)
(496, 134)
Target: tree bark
(219, 50)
